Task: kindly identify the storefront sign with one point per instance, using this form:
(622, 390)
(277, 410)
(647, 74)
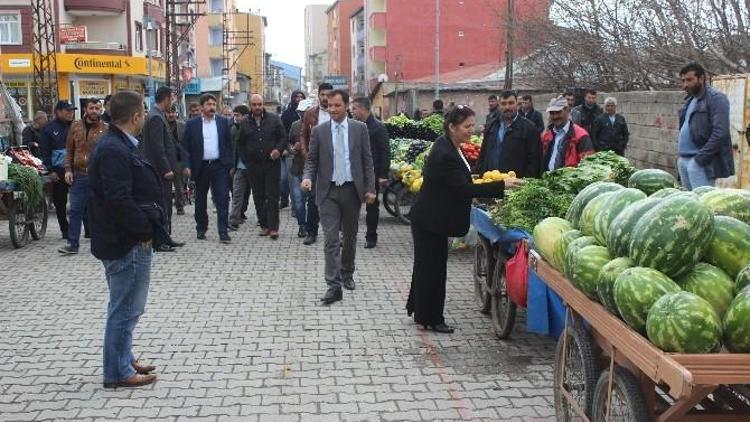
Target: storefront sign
(193, 87)
(72, 34)
(121, 85)
(16, 63)
(93, 89)
(19, 63)
(109, 65)
(338, 81)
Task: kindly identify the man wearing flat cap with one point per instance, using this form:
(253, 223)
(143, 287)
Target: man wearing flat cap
(564, 143)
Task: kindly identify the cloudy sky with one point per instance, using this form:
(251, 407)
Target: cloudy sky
(286, 26)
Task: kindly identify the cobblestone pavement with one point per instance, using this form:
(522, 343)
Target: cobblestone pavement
(237, 333)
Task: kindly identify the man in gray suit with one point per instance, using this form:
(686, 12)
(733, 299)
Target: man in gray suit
(340, 163)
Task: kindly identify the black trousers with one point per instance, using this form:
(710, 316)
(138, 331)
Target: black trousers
(265, 177)
(372, 216)
(60, 199)
(427, 294)
(166, 186)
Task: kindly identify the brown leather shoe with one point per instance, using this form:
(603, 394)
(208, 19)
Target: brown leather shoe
(136, 380)
(264, 232)
(143, 369)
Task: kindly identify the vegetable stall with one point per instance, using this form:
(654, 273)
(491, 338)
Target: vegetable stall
(654, 284)
(22, 197)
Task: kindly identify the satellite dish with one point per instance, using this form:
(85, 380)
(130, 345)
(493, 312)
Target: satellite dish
(382, 78)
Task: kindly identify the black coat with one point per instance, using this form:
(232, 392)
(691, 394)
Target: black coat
(158, 144)
(257, 141)
(610, 137)
(588, 115)
(536, 117)
(380, 146)
(443, 205)
(121, 183)
(521, 149)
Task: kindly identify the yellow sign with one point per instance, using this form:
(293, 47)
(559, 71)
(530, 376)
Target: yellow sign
(16, 63)
(93, 89)
(90, 63)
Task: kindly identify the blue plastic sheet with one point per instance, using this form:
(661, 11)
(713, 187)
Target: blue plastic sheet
(495, 234)
(545, 313)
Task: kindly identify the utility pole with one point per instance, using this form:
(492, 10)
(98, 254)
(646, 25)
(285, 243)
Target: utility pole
(437, 49)
(150, 78)
(509, 47)
(44, 55)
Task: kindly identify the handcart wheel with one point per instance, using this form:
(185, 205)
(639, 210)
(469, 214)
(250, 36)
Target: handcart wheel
(627, 403)
(482, 268)
(19, 230)
(38, 223)
(503, 311)
(404, 200)
(390, 195)
(575, 371)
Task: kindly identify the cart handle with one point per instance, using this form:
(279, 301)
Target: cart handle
(533, 259)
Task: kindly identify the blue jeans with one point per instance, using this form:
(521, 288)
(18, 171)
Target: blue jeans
(79, 197)
(692, 174)
(298, 200)
(284, 184)
(127, 280)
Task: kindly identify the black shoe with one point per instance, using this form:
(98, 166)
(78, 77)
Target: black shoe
(233, 227)
(348, 283)
(201, 236)
(180, 212)
(175, 244)
(165, 248)
(440, 328)
(224, 238)
(301, 233)
(87, 235)
(283, 205)
(244, 217)
(369, 243)
(310, 239)
(331, 296)
(68, 250)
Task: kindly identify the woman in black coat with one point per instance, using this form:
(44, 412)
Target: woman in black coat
(441, 210)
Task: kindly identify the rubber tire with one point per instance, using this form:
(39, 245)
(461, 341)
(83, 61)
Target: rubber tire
(17, 208)
(580, 343)
(503, 310)
(38, 226)
(630, 389)
(390, 194)
(482, 274)
(404, 196)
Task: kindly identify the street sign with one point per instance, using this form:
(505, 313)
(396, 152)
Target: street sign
(72, 34)
(338, 81)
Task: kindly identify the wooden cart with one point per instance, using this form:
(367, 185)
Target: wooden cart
(607, 371)
(24, 219)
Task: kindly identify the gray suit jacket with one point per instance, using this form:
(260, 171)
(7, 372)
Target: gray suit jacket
(319, 163)
(158, 144)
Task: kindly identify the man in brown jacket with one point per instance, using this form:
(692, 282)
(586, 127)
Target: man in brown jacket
(313, 117)
(79, 146)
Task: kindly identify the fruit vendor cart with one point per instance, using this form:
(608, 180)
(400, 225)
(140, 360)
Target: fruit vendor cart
(24, 220)
(604, 370)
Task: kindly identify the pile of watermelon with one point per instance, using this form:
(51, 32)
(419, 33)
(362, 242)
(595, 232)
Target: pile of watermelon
(674, 265)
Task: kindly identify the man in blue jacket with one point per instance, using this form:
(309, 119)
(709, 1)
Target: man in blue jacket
(704, 145)
(209, 162)
(52, 149)
(125, 190)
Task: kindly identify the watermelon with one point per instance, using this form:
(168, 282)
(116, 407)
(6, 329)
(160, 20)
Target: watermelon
(652, 180)
(730, 247)
(621, 228)
(558, 256)
(710, 283)
(684, 322)
(573, 248)
(614, 205)
(742, 280)
(584, 196)
(737, 323)
(728, 203)
(636, 289)
(606, 282)
(673, 236)
(700, 190)
(587, 264)
(547, 233)
(592, 209)
(663, 193)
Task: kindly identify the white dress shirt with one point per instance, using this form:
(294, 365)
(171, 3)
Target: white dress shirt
(559, 137)
(345, 128)
(210, 139)
(323, 115)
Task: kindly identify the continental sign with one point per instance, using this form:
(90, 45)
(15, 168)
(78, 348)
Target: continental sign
(86, 63)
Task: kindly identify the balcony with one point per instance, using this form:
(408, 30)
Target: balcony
(95, 7)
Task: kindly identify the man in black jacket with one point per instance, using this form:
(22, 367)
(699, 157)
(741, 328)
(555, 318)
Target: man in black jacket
(381, 159)
(52, 149)
(159, 149)
(124, 188)
(261, 143)
(526, 104)
(32, 133)
(511, 142)
(610, 131)
(588, 111)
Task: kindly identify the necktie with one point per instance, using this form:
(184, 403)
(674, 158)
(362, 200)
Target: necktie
(339, 163)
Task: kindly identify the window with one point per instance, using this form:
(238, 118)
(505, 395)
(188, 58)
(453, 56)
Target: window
(10, 29)
(216, 6)
(138, 36)
(217, 67)
(215, 35)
